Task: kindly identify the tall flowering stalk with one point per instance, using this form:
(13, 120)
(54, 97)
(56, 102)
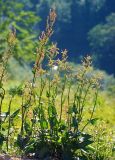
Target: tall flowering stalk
(52, 109)
(43, 40)
(37, 69)
(11, 40)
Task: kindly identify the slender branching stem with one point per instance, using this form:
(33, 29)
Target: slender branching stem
(95, 103)
(22, 117)
(62, 94)
(84, 99)
(68, 100)
(1, 102)
(9, 123)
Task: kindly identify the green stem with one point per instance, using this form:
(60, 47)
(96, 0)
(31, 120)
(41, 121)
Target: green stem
(96, 95)
(80, 90)
(83, 102)
(25, 111)
(9, 123)
(1, 102)
(63, 89)
(22, 125)
(40, 97)
(1, 114)
(68, 119)
(80, 97)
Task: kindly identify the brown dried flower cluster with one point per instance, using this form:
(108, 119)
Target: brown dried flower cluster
(87, 61)
(12, 38)
(43, 40)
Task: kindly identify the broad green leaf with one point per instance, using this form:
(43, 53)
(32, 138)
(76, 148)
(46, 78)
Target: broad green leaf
(2, 139)
(28, 128)
(93, 121)
(74, 122)
(15, 114)
(44, 124)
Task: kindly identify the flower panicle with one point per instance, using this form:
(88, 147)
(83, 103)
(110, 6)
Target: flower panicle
(12, 37)
(43, 40)
(45, 35)
(64, 55)
(87, 61)
(53, 50)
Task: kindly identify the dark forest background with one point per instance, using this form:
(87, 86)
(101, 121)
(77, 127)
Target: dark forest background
(83, 27)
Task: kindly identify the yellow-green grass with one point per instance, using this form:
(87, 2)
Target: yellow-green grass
(105, 109)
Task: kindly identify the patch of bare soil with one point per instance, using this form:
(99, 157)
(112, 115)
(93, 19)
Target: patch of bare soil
(7, 157)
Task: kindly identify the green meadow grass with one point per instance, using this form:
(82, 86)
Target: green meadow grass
(105, 109)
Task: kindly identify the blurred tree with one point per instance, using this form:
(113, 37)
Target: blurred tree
(75, 19)
(102, 42)
(19, 15)
(63, 8)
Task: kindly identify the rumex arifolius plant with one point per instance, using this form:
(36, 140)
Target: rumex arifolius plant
(53, 105)
(51, 135)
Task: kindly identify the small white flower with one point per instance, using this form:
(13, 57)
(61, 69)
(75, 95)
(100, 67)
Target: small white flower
(55, 68)
(81, 139)
(32, 84)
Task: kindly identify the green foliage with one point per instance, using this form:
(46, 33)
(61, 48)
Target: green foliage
(13, 14)
(75, 19)
(53, 106)
(64, 7)
(102, 145)
(101, 39)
